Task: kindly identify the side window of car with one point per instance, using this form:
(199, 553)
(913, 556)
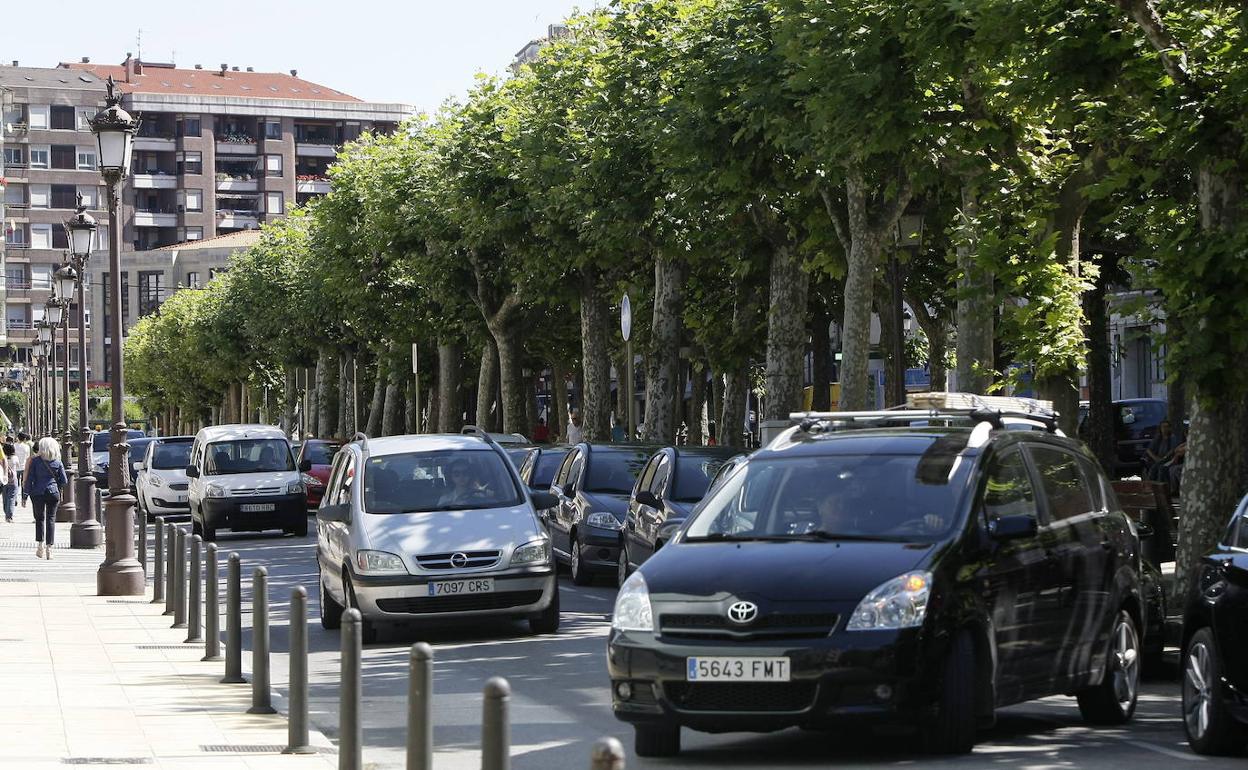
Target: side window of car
(647, 473)
(526, 467)
(1096, 486)
(1007, 487)
(661, 473)
(1236, 533)
(561, 476)
(574, 470)
(1066, 488)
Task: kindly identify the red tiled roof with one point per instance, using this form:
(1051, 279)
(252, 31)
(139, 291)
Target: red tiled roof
(209, 82)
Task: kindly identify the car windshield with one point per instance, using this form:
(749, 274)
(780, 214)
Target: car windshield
(320, 452)
(547, 465)
(693, 476)
(835, 497)
(171, 454)
(248, 455)
(614, 471)
(446, 480)
(138, 448)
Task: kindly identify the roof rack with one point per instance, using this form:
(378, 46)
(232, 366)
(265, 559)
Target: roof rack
(473, 430)
(994, 410)
(361, 437)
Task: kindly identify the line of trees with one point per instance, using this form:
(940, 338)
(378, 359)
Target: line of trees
(741, 168)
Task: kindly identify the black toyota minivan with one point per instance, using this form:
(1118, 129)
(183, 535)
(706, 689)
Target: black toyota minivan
(862, 569)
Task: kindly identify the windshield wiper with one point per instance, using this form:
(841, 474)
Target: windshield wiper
(820, 534)
(724, 536)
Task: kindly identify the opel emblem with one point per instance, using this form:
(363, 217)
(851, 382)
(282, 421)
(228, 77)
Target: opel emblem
(742, 612)
(459, 560)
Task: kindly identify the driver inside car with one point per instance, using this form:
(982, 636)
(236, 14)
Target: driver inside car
(462, 486)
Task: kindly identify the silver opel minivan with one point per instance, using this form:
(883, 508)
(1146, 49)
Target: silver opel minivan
(432, 526)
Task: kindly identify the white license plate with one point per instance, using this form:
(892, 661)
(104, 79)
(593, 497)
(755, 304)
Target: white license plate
(180, 498)
(737, 669)
(257, 507)
(455, 587)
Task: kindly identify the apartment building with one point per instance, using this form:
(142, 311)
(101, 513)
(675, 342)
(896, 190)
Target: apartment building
(227, 149)
(49, 158)
(534, 47)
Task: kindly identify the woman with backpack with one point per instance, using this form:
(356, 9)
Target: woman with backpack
(43, 481)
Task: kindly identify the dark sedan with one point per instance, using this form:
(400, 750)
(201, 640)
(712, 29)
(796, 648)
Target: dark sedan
(540, 466)
(672, 483)
(1215, 661)
(593, 485)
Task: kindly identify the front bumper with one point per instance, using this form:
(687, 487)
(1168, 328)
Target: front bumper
(289, 512)
(406, 597)
(600, 548)
(880, 676)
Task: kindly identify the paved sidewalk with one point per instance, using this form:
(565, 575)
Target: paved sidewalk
(91, 680)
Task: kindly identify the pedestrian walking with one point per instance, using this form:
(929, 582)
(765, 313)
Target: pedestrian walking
(22, 457)
(575, 434)
(45, 476)
(8, 478)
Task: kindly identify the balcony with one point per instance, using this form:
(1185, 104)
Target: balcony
(316, 150)
(157, 181)
(312, 185)
(17, 287)
(20, 127)
(155, 218)
(226, 183)
(237, 219)
(155, 143)
(236, 144)
(21, 330)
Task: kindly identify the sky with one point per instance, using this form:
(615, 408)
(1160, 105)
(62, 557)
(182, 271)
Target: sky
(417, 52)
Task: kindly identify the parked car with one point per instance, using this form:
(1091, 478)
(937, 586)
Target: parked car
(1135, 425)
(726, 469)
(540, 466)
(433, 527)
(99, 454)
(1215, 661)
(673, 481)
(592, 487)
(138, 448)
(314, 458)
(243, 478)
(913, 575)
(160, 477)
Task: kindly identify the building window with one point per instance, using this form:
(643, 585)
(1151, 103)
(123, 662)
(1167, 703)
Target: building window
(38, 115)
(63, 118)
(274, 203)
(64, 196)
(190, 163)
(189, 126)
(194, 233)
(272, 129)
(40, 196)
(86, 160)
(90, 195)
(194, 200)
(14, 235)
(41, 236)
(39, 157)
(273, 165)
(13, 156)
(84, 119)
(149, 291)
(101, 238)
(192, 278)
(60, 239)
(64, 156)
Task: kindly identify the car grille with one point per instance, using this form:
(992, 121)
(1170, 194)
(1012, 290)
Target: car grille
(777, 625)
(468, 603)
(254, 491)
(179, 487)
(770, 697)
(475, 560)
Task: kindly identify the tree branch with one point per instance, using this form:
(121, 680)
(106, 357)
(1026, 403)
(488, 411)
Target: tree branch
(1173, 55)
(833, 208)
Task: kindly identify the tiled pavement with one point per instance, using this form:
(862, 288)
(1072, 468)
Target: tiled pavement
(87, 680)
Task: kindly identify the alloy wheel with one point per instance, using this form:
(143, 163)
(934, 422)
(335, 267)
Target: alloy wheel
(1127, 662)
(1197, 689)
(575, 559)
(621, 567)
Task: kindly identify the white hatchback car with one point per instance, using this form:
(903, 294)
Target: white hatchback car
(433, 527)
(243, 478)
(160, 481)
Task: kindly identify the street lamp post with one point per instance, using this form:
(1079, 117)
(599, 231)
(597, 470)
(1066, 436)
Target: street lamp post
(64, 279)
(120, 574)
(49, 382)
(86, 531)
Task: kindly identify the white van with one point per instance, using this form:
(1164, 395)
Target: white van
(243, 478)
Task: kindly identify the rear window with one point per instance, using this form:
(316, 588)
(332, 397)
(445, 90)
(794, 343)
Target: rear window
(248, 455)
(693, 476)
(169, 455)
(320, 452)
(613, 471)
(448, 480)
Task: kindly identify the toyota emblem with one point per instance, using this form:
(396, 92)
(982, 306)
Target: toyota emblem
(742, 612)
(459, 560)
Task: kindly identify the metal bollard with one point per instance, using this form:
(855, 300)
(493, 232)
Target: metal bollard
(195, 583)
(171, 574)
(607, 754)
(212, 619)
(179, 581)
(99, 505)
(297, 721)
(420, 708)
(350, 732)
(140, 532)
(234, 622)
(158, 576)
(495, 727)
(261, 702)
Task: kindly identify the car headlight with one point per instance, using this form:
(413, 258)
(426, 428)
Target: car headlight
(295, 488)
(310, 481)
(632, 606)
(379, 562)
(603, 519)
(214, 490)
(155, 480)
(897, 603)
(532, 553)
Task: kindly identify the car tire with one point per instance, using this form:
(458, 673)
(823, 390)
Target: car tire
(331, 610)
(580, 575)
(1112, 702)
(661, 740)
(300, 529)
(547, 621)
(1210, 728)
(951, 730)
(368, 629)
(621, 565)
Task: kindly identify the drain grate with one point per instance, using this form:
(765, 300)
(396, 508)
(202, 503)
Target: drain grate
(106, 761)
(126, 601)
(14, 580)
(162, 647)
(256, 748)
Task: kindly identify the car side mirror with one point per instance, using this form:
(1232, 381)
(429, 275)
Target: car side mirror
(544, 500)
(1013, 527)
(305, 466)
(192, 472)
(567, 490)
(1128, 418)
(1145, 531)
(138, 466)
(646, 497)
(339, 513)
